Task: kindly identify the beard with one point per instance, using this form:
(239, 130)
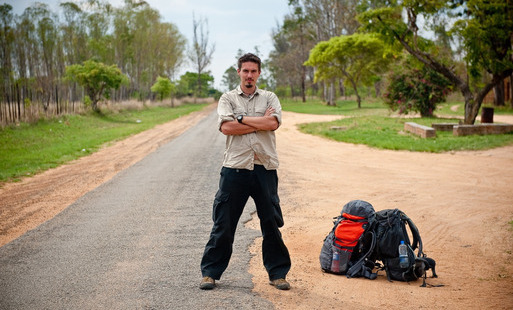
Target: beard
(250, 84)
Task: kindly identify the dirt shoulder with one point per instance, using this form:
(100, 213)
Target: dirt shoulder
(461, 202)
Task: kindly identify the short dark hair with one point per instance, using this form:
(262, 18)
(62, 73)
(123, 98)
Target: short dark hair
(248, 57)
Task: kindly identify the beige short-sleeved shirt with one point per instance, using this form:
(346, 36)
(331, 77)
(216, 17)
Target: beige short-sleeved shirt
(244, 151)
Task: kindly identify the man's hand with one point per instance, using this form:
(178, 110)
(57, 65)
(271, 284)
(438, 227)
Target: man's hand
(269, 111)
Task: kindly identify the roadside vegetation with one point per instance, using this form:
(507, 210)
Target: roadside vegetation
(27, 149)
(375, 125)
(371, 51)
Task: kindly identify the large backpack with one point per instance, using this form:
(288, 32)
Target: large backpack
(350, 241)
(361, 238)
(390, 228)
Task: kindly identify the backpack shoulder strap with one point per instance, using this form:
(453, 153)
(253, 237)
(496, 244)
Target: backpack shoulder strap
(417, 241)
(359, 267)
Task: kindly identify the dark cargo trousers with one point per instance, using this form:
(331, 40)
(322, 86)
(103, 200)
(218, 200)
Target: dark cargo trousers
(235, 187)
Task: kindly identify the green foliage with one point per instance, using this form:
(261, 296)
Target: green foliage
(87, 101)
(31, 148)
(163, 87)
(214, 93)
(480, 30)
(188, 84)
(230, 78)
(97, 79)
(486, 35)
(414, 89)
(38, 43)
(357, 58)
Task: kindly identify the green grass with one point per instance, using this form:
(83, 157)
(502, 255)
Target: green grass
(373, 126)
(343, 107)
(28, 149)
(387, 133)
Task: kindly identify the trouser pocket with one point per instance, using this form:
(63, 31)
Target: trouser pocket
(278, 216)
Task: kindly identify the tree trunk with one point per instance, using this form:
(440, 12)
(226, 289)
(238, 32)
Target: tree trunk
(470, 113)
(199, 86)
(341, 88)
(331, 95)
(498, 91)
(303, 83)
(511, 90)
(324, 91)
(18, 99)
(358, 99)
(377, 88)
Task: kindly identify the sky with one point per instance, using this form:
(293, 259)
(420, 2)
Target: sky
(232, 25)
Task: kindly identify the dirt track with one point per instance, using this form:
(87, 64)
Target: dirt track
(461, 203)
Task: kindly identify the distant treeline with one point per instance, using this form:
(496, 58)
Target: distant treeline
(38, 45)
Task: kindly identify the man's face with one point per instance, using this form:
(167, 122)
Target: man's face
(248, 74)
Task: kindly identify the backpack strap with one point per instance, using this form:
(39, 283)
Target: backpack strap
(359, 268)
(417, 241)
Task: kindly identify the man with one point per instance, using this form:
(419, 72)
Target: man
(248, 117)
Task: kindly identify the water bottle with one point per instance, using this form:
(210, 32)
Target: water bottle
(404, 261)
(335, 262)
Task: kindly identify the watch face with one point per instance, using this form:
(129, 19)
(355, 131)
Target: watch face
(239, 118)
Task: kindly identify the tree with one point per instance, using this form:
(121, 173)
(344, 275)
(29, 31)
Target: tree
(299, 38)
(74, 31)
(200, 53)
(230, 78)
(145, 47)
(43, 50)
(187, 85)
(163, 87)
(331, 18)
(96, 78)
(6, 46)
(356, 57)
(481, 28)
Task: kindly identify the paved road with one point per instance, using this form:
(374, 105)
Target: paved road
(136, 241)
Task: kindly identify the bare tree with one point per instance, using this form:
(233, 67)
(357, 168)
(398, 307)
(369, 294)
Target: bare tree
(331, 18)
(200, 53)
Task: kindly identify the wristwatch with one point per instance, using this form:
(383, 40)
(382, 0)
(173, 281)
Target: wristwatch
(239, 118)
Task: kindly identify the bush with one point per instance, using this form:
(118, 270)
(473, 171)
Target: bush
(418, 90)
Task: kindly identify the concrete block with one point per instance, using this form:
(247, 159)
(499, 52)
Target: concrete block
(421, 130)
(444, 126)
(482, 129)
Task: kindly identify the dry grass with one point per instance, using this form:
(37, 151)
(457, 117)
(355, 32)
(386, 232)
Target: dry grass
(35, 111)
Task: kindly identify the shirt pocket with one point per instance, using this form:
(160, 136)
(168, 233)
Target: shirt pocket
(239, 111)
(260, 110)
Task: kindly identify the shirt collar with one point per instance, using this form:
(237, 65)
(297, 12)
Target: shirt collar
(240, 92)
